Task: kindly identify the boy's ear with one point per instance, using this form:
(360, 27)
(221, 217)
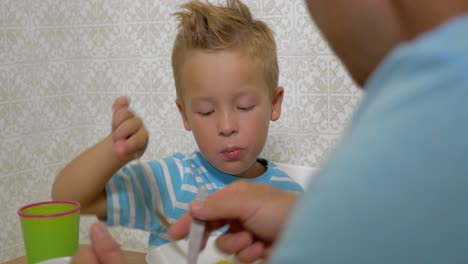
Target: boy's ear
(180, 107)
(276, 104)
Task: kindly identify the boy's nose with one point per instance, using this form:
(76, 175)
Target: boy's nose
(227, 125)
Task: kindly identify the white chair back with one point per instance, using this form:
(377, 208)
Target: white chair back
(302, 174)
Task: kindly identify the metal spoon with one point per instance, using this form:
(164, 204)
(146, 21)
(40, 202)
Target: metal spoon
(197, 229)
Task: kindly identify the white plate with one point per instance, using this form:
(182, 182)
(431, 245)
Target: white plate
(175, 253)
(63, 260)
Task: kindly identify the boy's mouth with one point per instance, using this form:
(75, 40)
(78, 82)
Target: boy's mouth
(232, 153)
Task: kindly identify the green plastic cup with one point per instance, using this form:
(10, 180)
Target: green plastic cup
(50, 229)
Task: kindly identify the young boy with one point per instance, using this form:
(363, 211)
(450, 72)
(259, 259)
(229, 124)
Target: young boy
(226, 75)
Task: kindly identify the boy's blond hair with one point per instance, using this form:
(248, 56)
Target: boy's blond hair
(207, 27)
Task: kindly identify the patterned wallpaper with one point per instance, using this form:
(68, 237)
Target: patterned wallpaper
(62, 62)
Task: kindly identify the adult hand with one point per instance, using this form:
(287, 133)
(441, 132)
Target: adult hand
(129, 134)
(103, 249)
(255, 213)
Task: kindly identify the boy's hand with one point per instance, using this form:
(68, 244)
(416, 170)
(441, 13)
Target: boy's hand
(129, 135)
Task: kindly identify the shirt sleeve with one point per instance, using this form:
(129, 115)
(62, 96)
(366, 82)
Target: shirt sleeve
(131, 196)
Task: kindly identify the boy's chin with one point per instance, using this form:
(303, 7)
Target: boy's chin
(240, 170)
(231, 170)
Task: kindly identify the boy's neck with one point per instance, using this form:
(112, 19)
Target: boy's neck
(257, 169)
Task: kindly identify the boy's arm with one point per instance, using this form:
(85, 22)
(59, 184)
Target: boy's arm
(84, 179)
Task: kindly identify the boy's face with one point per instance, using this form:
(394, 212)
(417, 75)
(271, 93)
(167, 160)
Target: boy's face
(228, 107)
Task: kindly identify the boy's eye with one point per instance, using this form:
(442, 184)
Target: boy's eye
(246, 108)
(206, 113)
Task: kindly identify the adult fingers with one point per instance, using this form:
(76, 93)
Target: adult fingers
(232, 243)
(85, 254)
(258, 208)
(232, 202)
(105, 247)
(219, 208)
(180, 228)
(208, 211)
(252, 253)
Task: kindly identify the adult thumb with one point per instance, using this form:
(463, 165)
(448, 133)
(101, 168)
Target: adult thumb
(107, 250)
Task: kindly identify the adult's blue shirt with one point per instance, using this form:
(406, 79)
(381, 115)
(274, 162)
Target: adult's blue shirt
(395, 190)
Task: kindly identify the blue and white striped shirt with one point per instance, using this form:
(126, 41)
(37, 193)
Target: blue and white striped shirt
(132, 195)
